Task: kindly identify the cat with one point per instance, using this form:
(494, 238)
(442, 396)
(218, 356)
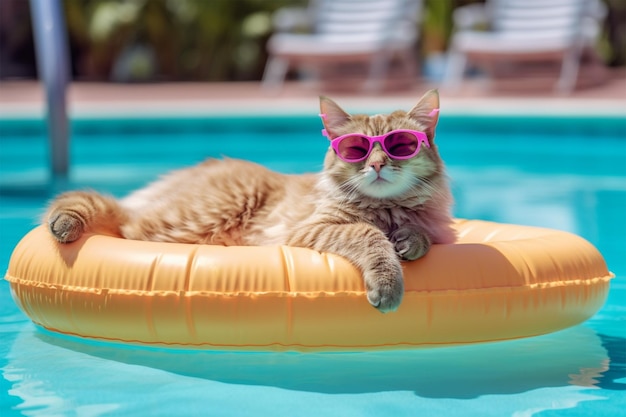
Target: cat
(374, 212)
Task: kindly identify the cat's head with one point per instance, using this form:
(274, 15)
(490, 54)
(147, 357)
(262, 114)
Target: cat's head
(379, 175)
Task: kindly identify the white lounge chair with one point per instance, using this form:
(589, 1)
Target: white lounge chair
(524, 30)
(373, 32)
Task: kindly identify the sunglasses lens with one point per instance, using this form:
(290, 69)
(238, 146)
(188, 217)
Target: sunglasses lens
(401, 144)
(353, 148)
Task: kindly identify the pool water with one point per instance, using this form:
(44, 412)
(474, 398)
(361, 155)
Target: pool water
(563, 173)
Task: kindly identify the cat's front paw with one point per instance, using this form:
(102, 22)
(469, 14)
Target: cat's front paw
(65, 227)
(409, 243)
(385, 290)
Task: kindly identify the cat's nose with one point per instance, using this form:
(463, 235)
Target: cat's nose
(377, 166)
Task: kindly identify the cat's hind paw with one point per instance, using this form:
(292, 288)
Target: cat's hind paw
(65, 227)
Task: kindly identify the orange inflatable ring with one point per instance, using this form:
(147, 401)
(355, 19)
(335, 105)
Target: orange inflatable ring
(497, 282)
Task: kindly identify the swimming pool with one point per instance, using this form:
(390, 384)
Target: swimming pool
(564, 173)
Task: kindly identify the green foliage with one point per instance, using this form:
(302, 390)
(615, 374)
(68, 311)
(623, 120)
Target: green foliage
(177, 39)
(437, 23)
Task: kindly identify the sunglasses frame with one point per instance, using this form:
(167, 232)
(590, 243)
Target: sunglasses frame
(420, 136)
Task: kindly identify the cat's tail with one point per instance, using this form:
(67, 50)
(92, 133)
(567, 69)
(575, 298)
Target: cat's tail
(74, 213)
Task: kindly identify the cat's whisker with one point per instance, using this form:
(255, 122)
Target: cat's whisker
(350, 187)
(433, 189)
(420, 183)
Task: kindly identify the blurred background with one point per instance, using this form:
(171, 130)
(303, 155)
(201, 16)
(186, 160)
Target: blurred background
(148, 40)
(216, 40)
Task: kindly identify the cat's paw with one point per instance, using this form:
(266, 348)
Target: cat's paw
(385, 290)
(409, 243)
(65, 227)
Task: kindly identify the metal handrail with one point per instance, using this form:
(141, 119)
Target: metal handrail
(53, 66)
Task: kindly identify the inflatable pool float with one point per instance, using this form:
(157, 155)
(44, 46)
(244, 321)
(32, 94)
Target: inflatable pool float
(497, 282)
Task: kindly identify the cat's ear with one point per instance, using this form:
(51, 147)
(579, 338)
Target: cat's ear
(426, 112)
(333, 116)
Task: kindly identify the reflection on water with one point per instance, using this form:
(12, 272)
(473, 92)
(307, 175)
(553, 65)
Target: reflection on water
(610, 379)
(92, 371)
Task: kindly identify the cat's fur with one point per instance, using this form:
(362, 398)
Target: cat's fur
(373, 213)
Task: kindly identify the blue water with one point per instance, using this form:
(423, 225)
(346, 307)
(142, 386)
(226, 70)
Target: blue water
(563, 173)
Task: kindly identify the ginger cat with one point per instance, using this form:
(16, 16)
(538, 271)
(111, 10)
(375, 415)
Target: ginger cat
(381, 197)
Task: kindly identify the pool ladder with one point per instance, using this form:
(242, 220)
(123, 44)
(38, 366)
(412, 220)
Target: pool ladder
(53, 66)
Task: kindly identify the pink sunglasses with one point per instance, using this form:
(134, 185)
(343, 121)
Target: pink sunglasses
(397, 144)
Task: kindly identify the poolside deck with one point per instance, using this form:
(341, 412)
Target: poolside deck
(26, 98)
